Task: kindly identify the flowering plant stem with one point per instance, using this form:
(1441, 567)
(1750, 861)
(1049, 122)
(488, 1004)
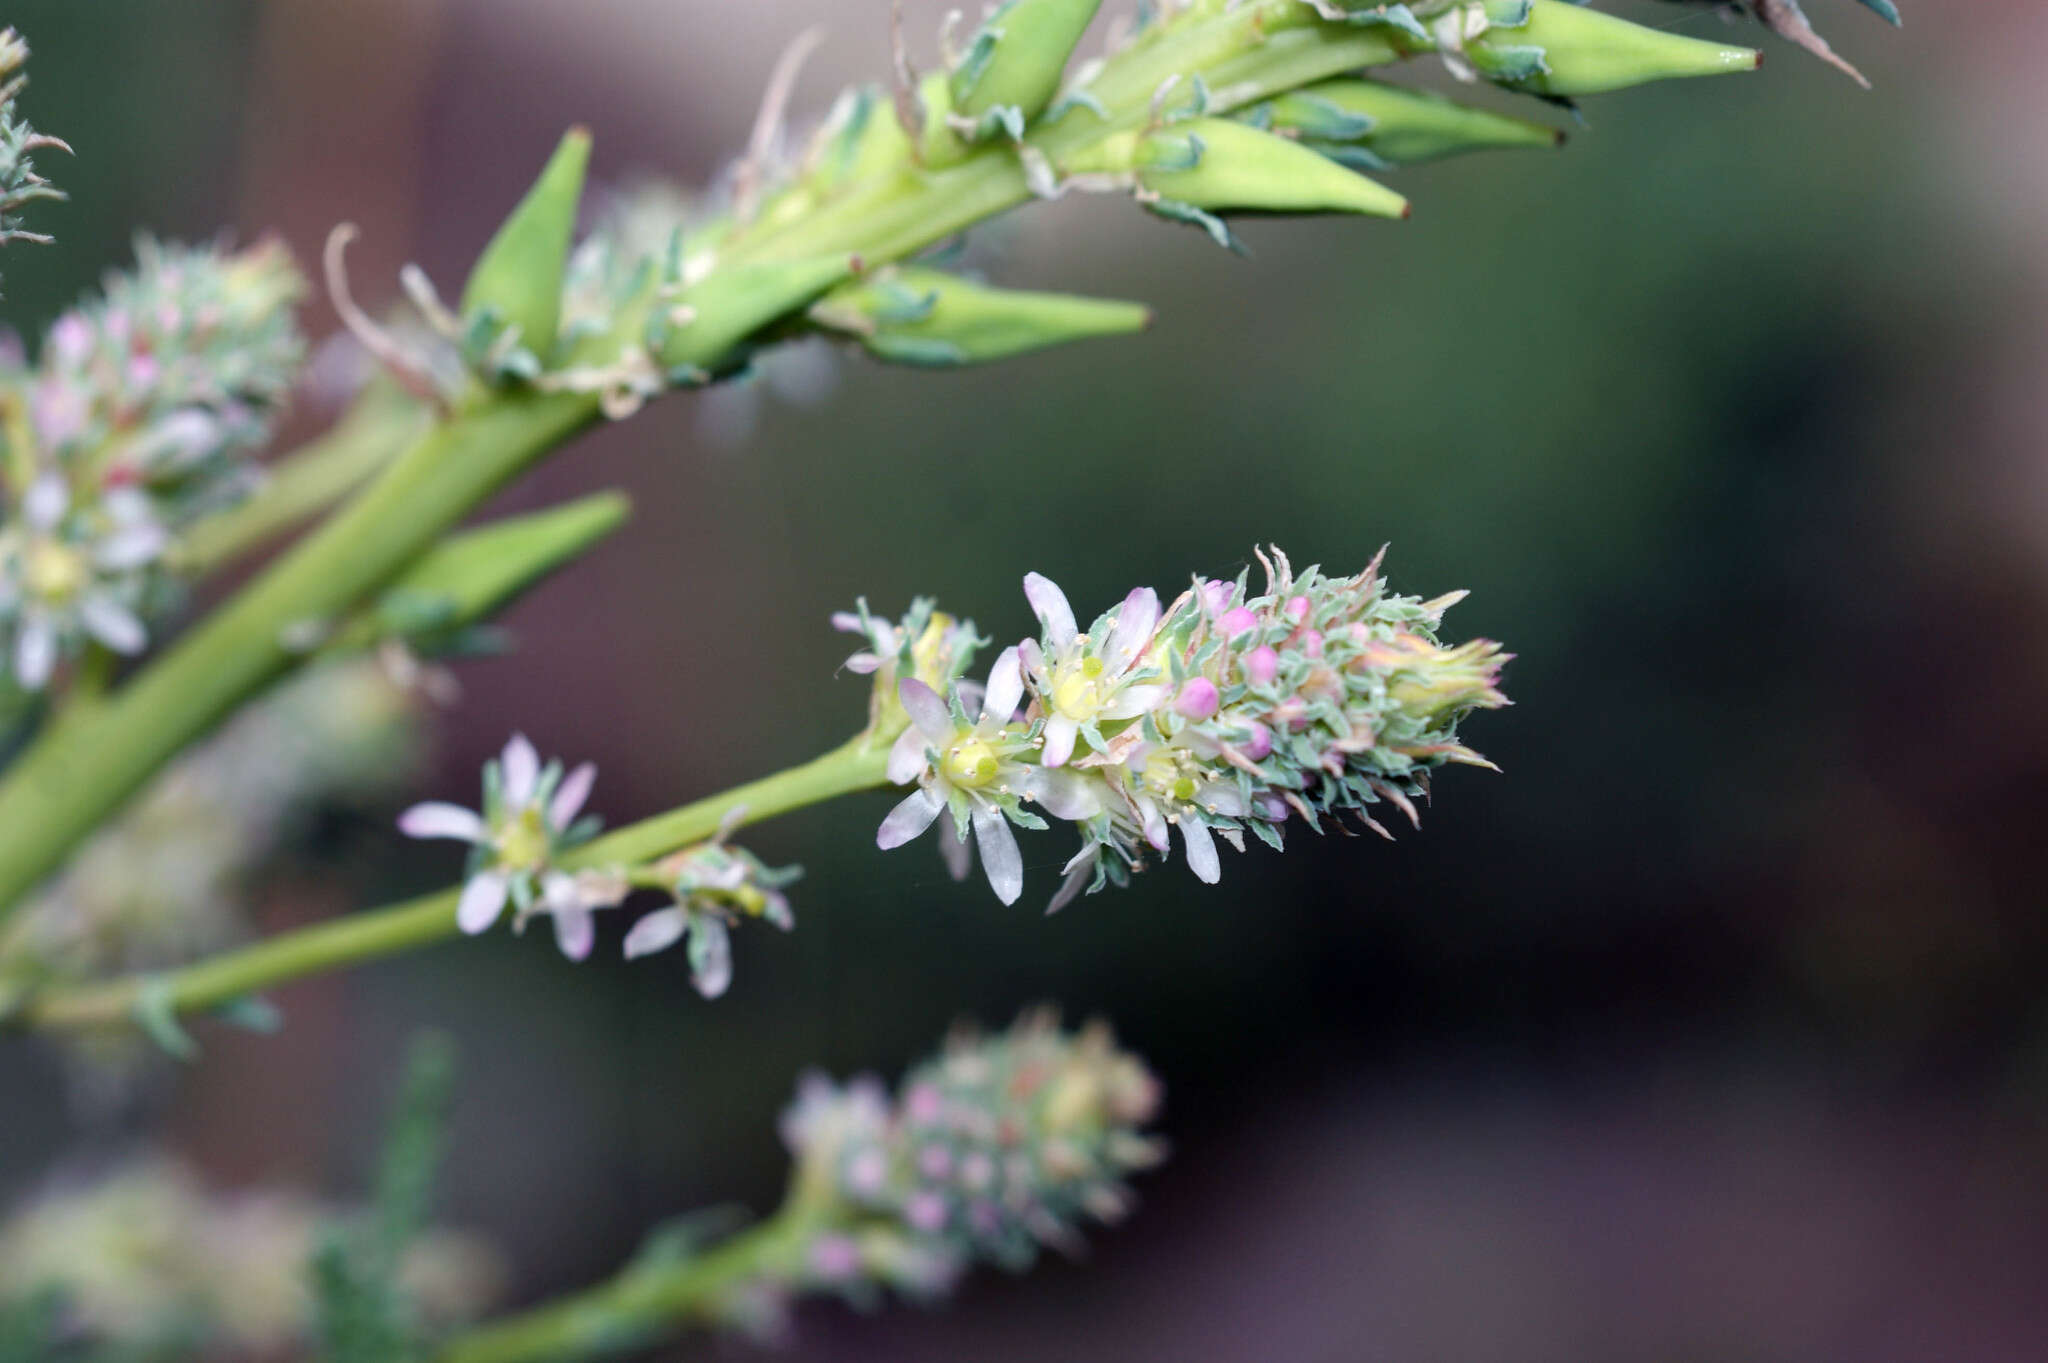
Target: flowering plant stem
(81, 772)
(408, 926)
(626, 1312)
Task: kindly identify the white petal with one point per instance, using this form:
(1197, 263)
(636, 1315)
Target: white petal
(906, 756)
(1225, 798)
(130, 548)
(1049, 604)
(46, 502)
(863, 663)
(1201, 849)
(1005, 688)
(35, 653)
(112, 624)
(927, 711)
(570, 795)
(1153, 821)
(1079, 872)
(575, 933)
(558, 892)
(1133, 701)
(1135, 621)
(1060, 732)
(958, 855)
(483, 899)
(908, 819)
(521, 770)
(658, 931)
(1068, 794)
(710, 955)
(999, 854)
(438, 819)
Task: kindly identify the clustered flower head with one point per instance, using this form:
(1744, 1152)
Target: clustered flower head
(141, 415)
(1317, 698)
(147, 1259)
(997, 1146)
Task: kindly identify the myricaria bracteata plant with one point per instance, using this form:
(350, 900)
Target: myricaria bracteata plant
(128, 473)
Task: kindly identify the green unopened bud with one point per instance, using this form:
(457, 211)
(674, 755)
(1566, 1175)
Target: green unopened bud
(1549, 47)
(468, 578)
(919, 316)
(1216, 164)
(519, 275)
(734, 302)
(1014, 66)
(1367, 123)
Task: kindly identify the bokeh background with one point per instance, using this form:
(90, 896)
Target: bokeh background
(1715, 1028)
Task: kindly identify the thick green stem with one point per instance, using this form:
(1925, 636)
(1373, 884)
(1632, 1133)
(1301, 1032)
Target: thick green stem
(417, 923)
(80, 773)
(637, 1307)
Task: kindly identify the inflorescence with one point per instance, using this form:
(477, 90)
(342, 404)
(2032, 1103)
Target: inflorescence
(1226, 712)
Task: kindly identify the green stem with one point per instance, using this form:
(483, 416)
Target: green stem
(79, 773)
(416, 923)
(634, 1308)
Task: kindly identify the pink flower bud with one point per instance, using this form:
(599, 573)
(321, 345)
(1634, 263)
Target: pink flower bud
(1310, 642)
(1297, 608)
(1216, 595)
(1198, 699)
(1259, 744)
(1261, 665)
(1272, 808)
(1237, 621)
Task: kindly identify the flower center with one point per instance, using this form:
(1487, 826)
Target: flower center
(524, 842)
(1168, 779)
(53, 571)
(971, 763)
(1077, 692)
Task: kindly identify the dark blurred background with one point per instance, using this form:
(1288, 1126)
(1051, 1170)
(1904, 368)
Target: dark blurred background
(1715, 1028)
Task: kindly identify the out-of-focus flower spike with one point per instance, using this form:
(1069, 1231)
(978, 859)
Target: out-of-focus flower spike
(1375, 125)
(1217, 165)
(921, 316)
(519, 275)
(20, 184)
(1560, 50)
(1013, 66)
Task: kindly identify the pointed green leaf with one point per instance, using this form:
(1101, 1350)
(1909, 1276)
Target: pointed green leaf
(1220, 165)
(518, 278)
(1397, 126)
(735, 302)
(912, 315)
(1561, 50)
(1019, 56)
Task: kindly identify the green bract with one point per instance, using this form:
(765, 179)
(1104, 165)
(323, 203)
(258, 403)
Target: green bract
(1015, 63)
(1548, 47)
(1219, 165)
(1376, 125)
(921, 316)
(517, 281)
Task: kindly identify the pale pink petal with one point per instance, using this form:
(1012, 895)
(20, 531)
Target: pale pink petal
(575, 932)
(846, 622)
(520, 770)
(999, 854)
(658, 931)
(927, 711)
(483, 899)
(1154, 823)
(1067, 794)
(35, 652)
(1060, 732)
(710, 955)
(1201, 850)
(131, 547)
(1135, 621)
(112, 624)
(863, 663)
(908, 819)
(1079, 872)
(1225, 798)
(45, 502)
(906, 756)
(1005, 688)
(570, 795)
(958, 855)
(438, 819)
(1049, 604)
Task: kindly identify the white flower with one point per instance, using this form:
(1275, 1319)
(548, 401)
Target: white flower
(977, 770)
(69, 576)
(712, 884)
(1082, 680)
(529, 818)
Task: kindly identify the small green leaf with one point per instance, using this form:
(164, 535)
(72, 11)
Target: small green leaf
(518, 278)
